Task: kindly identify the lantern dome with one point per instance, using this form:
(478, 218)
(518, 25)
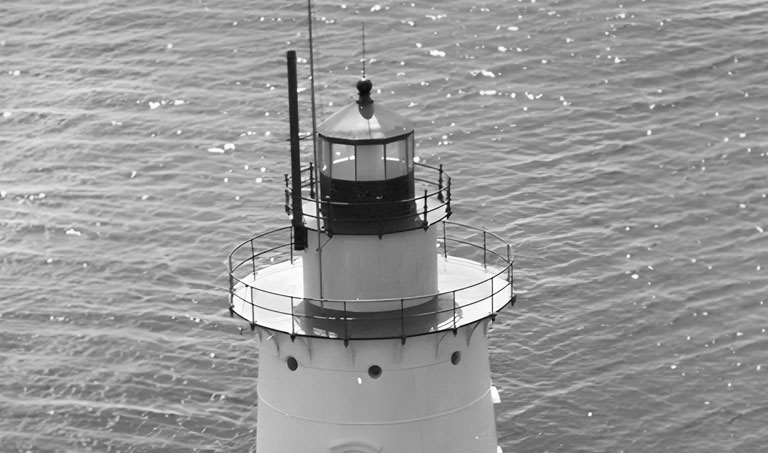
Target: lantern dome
(364, 120)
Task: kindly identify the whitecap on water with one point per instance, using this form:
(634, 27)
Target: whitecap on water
(73, 232)
(484, 72)
(215, 150)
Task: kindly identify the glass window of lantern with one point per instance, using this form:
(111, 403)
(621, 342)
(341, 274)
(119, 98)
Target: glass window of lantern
(343, 161)
(325, 156)
(370, 162)
(411, 152)
(397, 159)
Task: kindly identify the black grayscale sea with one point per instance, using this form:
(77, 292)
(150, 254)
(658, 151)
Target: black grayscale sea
(619, 145)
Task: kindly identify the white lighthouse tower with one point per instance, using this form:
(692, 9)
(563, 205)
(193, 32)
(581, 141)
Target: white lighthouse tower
(372, 309)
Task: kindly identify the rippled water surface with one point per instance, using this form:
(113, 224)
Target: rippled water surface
(620, 147)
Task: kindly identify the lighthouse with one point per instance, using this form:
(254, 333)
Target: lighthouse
(371, 308)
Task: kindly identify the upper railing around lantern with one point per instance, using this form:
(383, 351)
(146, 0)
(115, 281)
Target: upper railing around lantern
(432, 206)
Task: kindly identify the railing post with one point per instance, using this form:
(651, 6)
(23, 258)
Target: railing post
(448, 211)
(485, 248)
(253, 310)
(492, 294)
(426, 222)
(312, 180)
(440, 185)
(291, 243)
(329, 223)
(509, 264)
(253, 259)
(445, 243)
(231, 288)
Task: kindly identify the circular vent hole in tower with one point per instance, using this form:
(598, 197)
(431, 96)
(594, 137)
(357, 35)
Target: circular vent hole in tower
(374, 371)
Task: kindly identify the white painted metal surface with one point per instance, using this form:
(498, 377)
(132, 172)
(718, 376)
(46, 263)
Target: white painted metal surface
(421, 402)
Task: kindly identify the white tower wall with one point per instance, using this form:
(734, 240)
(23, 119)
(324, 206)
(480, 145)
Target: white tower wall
(398, 265)
(420, 403)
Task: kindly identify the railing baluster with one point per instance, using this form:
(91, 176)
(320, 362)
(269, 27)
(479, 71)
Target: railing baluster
(253, 309)
(426, 222)
(448, 211)
(445, 244)
(485, 250)
(311, 181)
(253, 259)
(440, 185)
(231, 287)
(492, 295)
(454, 311)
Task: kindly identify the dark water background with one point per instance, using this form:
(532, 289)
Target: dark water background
(619, 145)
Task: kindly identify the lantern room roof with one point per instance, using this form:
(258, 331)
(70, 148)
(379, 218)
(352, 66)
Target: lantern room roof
(364, 120)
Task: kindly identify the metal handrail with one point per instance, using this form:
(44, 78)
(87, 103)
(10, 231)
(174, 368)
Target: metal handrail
(238, 271)
(442, 194)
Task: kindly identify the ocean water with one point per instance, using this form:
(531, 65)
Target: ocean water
(620, 146)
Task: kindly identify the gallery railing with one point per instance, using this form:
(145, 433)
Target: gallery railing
(267, 307)
(431, 206)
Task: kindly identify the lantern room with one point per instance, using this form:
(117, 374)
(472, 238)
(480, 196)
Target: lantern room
(366, 169)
